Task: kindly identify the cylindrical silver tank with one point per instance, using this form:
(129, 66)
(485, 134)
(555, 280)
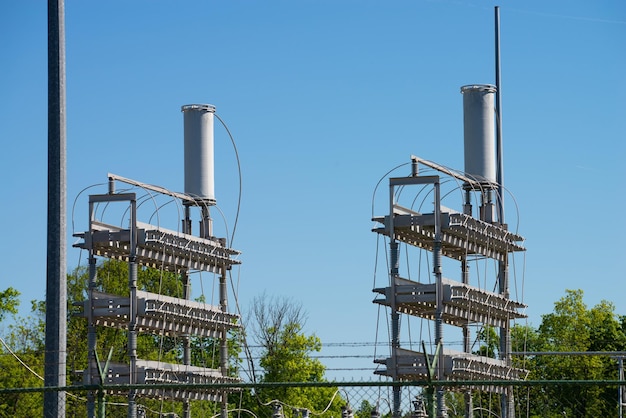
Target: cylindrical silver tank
(479, 129)
(199, 154)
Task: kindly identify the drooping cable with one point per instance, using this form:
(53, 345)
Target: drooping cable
(19, 359)
(381, 180)
(76, 200)
(27, 367)
(232, 140)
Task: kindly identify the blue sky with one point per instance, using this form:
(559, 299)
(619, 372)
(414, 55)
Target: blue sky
(323, 98)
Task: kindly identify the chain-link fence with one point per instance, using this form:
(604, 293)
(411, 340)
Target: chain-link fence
(327, 399)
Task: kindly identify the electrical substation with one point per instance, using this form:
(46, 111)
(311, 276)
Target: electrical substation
(450, 221)
(182, 252)
(472, 235)
(449, 297)
(420, 218)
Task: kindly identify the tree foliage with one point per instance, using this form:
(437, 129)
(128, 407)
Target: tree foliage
(572, 327)
(489, 342)
(8, 302)
(286, 356)
(22, 362)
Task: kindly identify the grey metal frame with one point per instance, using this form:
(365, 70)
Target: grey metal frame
(144, 312)
(455, 235)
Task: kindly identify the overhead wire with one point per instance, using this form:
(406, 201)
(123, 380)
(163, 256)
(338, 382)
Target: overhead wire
(33, 372)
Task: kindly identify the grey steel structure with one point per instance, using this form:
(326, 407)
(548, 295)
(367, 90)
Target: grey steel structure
(457, 236)
(181, 252)
(56, 288)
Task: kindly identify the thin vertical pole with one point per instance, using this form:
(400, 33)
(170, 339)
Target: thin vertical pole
(56, 289)
(507, 403)
(499, 162)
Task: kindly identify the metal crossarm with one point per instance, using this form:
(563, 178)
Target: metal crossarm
(412, 365)
(462, 235)
(154, 372)
(159, 248)
(161, 315)
(463, 304)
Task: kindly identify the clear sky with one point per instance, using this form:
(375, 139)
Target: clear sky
(323, 98)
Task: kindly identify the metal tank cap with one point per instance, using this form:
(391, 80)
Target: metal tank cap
(206, 107)
(489, 88)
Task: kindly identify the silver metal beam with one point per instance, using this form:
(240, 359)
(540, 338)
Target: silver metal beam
(470, 181)
(158, 189)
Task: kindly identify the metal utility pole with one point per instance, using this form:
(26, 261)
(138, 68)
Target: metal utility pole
(56, 289)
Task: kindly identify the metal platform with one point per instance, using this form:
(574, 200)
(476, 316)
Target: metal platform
(462, 235)
(159, 248)
(457, 366)
(462, 304)
(154, 372)
(161, 315)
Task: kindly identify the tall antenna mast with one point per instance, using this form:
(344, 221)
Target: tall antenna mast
(507, 402)
(499, 165)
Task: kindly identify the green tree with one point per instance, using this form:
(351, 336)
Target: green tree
(286, 357)
(365, 409)
(489, 346)
(489, 342)
(9, 302)
(21, 363)
(572, 327)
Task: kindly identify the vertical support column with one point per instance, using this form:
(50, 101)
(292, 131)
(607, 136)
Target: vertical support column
(224, 341)
(467, 344)
(186, 342)
(55, 356)
(132, 326)
(467, 205)
(467, 210)
(187, 296)
(621, 395)
(439, 295)
(206, 223)
(395, 316)
(92, 369)
(508, 402)
(486, 207)
(395, 325)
